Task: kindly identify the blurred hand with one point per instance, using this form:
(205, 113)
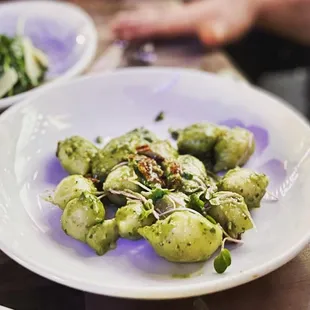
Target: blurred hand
(216, 22)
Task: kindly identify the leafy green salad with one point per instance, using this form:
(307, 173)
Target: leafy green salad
(171, 197)
(22, 65)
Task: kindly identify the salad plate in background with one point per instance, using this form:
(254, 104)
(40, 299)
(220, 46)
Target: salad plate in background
(51, 42)
(109, 105)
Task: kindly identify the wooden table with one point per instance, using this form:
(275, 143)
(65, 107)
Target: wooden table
(288, 288)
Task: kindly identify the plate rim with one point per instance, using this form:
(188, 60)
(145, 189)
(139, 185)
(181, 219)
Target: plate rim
(181, 290)
(78, 68)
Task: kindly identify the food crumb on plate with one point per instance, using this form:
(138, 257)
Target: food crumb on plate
(160, 116)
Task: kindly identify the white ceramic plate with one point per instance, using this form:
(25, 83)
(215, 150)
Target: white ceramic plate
(63, 31)
(110, 105)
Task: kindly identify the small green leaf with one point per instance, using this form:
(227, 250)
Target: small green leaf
(195, 202)
(227, 257)
(219, 264)
(158, 193)
(211, 219)
(222, 261)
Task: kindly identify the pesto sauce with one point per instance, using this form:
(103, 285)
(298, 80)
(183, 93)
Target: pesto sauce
(182, 276)
(160, 116)
(99, 140)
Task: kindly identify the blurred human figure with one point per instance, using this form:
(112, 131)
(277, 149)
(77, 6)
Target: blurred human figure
(216, 22)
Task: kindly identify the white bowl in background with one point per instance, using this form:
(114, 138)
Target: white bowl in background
(64, 31)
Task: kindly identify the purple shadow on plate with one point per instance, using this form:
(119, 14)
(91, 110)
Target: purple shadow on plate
(57, 234)
(143, 257)
(260, 134)
(274, 168)
(54, 172)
